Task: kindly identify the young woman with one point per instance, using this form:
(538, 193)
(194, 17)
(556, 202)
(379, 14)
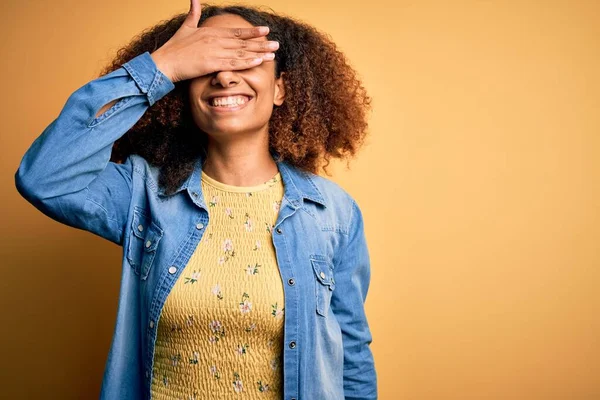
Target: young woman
(244, 272)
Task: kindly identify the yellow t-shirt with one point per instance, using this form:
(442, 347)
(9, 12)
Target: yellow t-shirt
(220, 333)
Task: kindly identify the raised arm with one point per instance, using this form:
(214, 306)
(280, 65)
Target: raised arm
(66, 172)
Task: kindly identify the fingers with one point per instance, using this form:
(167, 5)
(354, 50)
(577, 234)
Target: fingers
(242, 33)
(193, 17)
(228, 64)
(242, 54)
(249, 45)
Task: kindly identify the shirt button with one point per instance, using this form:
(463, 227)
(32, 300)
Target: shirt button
(292, 345)
(323, 275)
(147, 374)
(148, 243)
(291, 282)
(151, 324)
(172, 270)
(140, 227)
(278, 230)
(199, 226)
(195, 194)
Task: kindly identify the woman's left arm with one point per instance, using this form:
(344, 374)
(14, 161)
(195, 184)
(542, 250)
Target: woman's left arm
(352, 277)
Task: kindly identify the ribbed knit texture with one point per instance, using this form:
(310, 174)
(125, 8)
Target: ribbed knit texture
(220, 334)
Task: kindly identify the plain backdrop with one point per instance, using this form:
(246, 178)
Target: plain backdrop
(479, 186)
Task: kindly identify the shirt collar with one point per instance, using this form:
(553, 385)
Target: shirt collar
(298, 184)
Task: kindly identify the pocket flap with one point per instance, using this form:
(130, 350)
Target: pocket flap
(323, 272)
(146, 230)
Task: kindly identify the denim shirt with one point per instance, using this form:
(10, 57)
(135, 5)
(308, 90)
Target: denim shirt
(319, 241)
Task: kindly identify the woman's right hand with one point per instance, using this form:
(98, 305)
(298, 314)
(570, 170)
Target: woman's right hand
(195, 51)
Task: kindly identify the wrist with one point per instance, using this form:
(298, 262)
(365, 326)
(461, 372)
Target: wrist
(162, 65)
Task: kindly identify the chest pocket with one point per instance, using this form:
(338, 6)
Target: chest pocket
(325, 283)
(144, 238)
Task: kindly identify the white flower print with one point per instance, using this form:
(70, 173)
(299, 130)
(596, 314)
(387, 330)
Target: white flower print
(248, 224)
(175, 359)
(216, 290)
(276, 205)
(262, 387)
(217, 329)
(252, 269)
(213, 201)
(237, 383)
(214, 372)
(256, 245)
(274, 363)
(245, 305)
(227, 245)
(241, 349)
(194, 278)
(277, 312)
(229, 212)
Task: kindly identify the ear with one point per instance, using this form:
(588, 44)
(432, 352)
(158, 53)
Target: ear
(279, 90)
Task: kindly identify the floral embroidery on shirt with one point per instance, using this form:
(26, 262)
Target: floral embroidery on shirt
(216, 290)
(217, 329)
(241, 349)
(269, 227)
(252, 270)
(245, 305)
(194, 278)
(237, 383)
(228, 249)
(248, 224)
(274, 363)
(276, 205)
(262, 387)
(231, 257)
(276, 311)
(215, 372)
(175, 359)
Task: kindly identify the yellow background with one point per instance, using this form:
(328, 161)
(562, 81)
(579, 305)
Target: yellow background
(479, 187)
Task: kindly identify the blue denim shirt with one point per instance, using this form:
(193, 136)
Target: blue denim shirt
(318, 237)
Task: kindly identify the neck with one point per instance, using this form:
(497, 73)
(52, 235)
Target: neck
(239, 163)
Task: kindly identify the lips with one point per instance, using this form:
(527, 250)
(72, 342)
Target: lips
(224, 94)
(226, 109)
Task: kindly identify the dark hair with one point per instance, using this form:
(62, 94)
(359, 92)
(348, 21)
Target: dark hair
(324, 114)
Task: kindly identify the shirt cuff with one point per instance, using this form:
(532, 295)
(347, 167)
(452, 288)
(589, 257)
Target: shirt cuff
(148, 77)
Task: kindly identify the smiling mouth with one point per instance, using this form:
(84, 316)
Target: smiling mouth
(230, 103)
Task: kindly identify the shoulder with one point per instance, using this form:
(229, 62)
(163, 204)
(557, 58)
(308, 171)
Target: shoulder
(339, 202)
(145, 171)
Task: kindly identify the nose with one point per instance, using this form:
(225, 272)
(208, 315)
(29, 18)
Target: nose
(225, 78)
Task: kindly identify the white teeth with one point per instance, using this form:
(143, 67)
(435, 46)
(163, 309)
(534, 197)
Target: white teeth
(230, 101)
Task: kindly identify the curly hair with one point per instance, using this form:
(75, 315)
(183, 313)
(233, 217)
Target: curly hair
(325, 116)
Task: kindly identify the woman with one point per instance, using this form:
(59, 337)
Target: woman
(244, 272)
